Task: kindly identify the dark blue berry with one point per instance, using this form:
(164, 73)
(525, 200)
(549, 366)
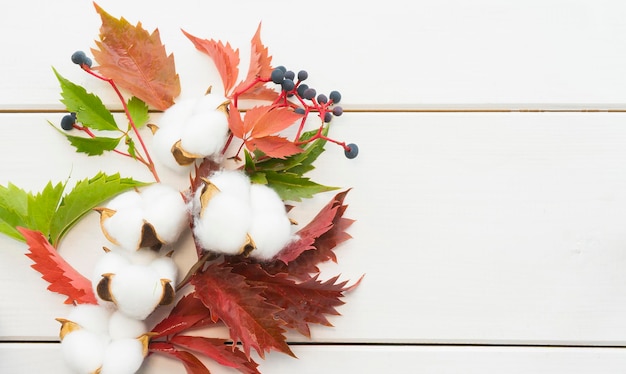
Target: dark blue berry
(321, 98)
(301, 89)
(351, 151)
(277, 76)
(290, 75)
(68, 121)
(288, 85)
(328, 116)
(79, 57)
(282, 68)
(87, 62)
(300, 110)
(309, 93)
(303, 75)
(337, 111)
(335, 96)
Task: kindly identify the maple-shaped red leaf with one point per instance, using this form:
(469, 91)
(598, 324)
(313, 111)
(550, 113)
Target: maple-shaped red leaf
(303, 303)
(274, 146)
(235, 123)
(187, 314)
(260, 65)
(310, 236)
(260, 123)
(137, 61)
(219, 351)
(260, 93)
(63, 278)
(192, 364)
(225, 58)
(250, 318)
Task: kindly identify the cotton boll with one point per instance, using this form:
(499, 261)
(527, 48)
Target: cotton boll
(142, 256)
(123, 356)
(110, 262)
(162, 142)
(265, 199)
(205, 134)
(232, 182)
(136, 290)
(224, 224)
(94, 318)
(84, 350)
(166, 210)
(122, 326)
(270, 232)
(209, 103)
(176, 115)
(126, 200)
(166, 268)
(124, 227)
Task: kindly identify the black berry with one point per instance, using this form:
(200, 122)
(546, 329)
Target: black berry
(300, 110)
(321, 98)
(282, 68)
(303, 75)
(277, 76)
(328, 116)
(290, 75)
(80, 58)
(337, 111)
(288, 85)
(335, 96)
(68, 121)
(351, 151)
(309, 93)
(301, 89)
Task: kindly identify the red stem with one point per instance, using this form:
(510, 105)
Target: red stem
(150, 163)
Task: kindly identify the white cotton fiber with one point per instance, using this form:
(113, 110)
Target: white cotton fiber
(137, 290)
(162, 142)
(84, 350)
(125, 200)
(224, 224)
(165, 209)
(94, 318)
(176, 115)
(209, 103)
(270, 232)
(166, 268)
(122, 326)
(205, 134)
(232, 182)
(265, 199)
(110, 262)
(123, 356)
(124, 227)
(142, 256)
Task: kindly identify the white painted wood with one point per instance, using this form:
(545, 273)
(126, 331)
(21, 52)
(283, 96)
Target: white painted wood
(385, 54)
(33, 358)
(472, 228)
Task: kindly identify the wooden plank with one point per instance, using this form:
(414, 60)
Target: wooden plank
(381, 55)
(471, 228)
(32, 358)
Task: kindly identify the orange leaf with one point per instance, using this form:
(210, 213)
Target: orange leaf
(274, 146)
(252, 117)
(241, 307)
(235, 124)
(137, 61)
(260, 63)
(63, 278)
(226, 59)
(192, 364)
(274, 120)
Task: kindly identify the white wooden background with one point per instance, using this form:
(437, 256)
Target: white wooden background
(490, 191)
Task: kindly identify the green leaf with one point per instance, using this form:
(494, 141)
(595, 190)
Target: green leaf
(41, 207)
(89, 109)
(13, 210)
(294, 187)
(130, 144)
(86, 195)
(138, 111)
(93, 146)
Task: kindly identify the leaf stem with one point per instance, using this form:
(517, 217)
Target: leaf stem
(149, 163)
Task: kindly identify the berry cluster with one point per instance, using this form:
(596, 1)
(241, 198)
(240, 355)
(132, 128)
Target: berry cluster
(308, 101)
(80, 58)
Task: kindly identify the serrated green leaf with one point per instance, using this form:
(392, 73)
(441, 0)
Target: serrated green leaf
(93, 146)
(89, 109)
(41, 207)
(130, 144)
(138, 111)
(86, 195)
(13, 210)
(258, 178)
(294, 187)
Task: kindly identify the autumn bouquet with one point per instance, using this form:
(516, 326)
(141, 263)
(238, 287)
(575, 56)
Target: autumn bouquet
(257, 269)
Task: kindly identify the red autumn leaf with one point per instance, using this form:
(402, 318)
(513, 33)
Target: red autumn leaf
(235, 124)
(260, 65)
(187, 313)
(273, 121)
(218, 350)
(226, 59)
(63, 278)
(260, 93)
(322, 223)
(137, 61)
(274, 146)
(303, 303)
(191, 362)
(242, 308)
(252, 117)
